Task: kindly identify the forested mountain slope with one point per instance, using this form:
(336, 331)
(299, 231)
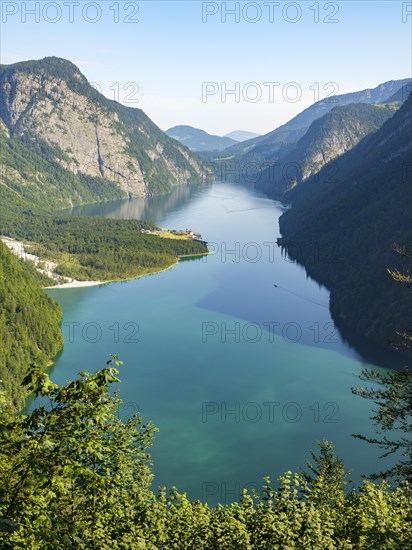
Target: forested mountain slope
(29, 325)
(344, 224)
(327, 138)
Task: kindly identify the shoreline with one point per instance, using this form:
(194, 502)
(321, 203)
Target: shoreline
(76, 284)
(18, 249)
(81, 284)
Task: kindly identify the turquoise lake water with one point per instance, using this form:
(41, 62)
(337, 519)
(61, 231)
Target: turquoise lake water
(233, 356)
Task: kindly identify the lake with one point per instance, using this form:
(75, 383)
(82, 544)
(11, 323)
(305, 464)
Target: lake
(233, 356)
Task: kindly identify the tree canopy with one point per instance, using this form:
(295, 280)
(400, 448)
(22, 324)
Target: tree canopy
(75, 475)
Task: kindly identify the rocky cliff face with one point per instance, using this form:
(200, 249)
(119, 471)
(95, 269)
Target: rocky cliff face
(327, 138)
(337, 132)
(51, 102)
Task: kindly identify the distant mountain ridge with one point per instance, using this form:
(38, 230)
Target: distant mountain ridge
(278, 143)
(241, 135)
(49, 107)
(401, 95)
(198, 140)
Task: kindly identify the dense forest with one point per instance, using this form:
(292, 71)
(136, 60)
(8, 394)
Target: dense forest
(345, 225)
(75, 475)
(98, 249)
(29, 325)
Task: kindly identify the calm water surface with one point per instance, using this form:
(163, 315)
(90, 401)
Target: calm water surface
(242, 377)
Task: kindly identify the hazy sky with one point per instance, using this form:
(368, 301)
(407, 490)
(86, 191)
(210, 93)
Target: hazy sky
(179, 60)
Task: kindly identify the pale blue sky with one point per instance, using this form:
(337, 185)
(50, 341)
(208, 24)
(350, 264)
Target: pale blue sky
(175, 48)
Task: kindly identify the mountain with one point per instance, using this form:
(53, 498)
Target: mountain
(49, 107)
(32, 188)
(401, 95)
(278, 143)
(32, 177)
(370, 95)
(29, 325)
(199, 140)
(63, 143)
(327, 138)
(241, 135)
(343, 230)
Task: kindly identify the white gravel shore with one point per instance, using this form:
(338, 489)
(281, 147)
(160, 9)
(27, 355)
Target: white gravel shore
(49, 269)
(77, 284)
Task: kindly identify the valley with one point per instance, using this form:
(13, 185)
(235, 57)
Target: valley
(72, 254)
(250, 291)
(217, 331)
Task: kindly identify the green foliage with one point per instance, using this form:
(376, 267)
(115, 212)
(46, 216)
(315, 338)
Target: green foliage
(85, 248)
(405, 278)
(74, 475)
(331, 470)
(392, 393)
(29, 325)
(31, 269)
